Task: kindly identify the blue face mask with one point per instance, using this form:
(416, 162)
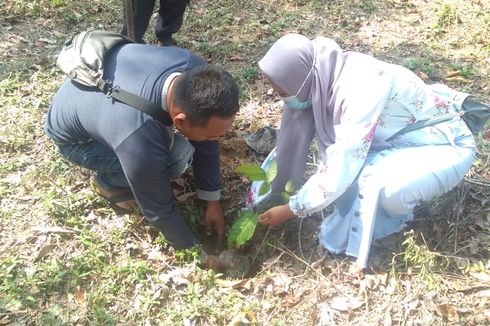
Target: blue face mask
(295, 104)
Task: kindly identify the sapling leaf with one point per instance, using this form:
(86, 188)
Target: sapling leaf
(285, 196)
(243, 229)
(289, 186)
(264, 188)
(252, 172)
(272, 171)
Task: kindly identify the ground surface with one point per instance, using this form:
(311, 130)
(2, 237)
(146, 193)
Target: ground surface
(66, 258)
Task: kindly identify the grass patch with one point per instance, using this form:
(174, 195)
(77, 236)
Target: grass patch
(425, 63)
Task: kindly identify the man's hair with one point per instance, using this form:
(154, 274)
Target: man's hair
(204, 91)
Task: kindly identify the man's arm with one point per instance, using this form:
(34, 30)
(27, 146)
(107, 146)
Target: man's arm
(144, 158)
(205, 165)
(206, 170)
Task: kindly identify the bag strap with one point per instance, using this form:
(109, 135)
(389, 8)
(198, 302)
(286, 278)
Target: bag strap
(421, 124)
(114, 91)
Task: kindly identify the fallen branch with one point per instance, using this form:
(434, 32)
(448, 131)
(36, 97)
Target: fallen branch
(483, 183)
(54, 229)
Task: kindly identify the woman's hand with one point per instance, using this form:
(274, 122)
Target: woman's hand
(276, 215)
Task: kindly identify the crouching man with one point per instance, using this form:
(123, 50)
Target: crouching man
(134, 157)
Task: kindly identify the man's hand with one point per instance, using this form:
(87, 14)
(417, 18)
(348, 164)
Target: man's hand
(215, 219)
(276, 215)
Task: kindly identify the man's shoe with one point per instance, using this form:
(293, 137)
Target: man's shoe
(121, 201)
(166, 42)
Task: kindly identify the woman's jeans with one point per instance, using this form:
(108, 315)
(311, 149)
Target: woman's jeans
(108, 171)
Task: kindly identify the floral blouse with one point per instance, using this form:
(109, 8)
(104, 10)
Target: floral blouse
(397, 99)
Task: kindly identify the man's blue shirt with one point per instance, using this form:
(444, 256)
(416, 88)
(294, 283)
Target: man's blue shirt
(80, 114)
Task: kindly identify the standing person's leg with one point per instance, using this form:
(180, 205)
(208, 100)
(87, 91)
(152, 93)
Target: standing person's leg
(170, 18)
(142, 11)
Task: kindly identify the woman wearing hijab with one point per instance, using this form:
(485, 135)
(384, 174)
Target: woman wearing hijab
(354, 105)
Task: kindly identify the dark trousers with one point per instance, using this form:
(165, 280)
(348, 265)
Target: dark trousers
(170, 18)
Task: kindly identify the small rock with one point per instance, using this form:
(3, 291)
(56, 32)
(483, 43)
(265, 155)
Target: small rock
(235, 265)
(262, 141)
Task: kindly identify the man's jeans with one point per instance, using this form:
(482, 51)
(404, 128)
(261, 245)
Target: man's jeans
(108, 171)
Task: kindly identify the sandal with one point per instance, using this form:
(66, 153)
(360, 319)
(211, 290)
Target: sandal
(112, 201)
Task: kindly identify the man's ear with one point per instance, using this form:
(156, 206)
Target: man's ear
(179, 120)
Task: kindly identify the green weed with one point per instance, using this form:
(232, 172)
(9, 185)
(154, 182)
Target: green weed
(64, 205)
(418, 259)
(17, 284)
(58, 3)
(70, 19)
(203, 302)
(12, 165)
(52, 317)
(103, 317)
(161, 241)
(6, 214)
(368, 6)
(249, 73)
(135, 271)
(184, 256)
(424, 63)
(35, 7)
(276, 28)
(465, 70)
(477, 267)
(447, 16)
(53, 275)
(192, 214)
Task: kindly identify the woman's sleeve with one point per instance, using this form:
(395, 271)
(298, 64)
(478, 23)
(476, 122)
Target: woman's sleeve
(365, 101)
(295, 135)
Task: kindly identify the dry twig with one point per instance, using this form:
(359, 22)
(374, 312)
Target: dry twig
(54, 229)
